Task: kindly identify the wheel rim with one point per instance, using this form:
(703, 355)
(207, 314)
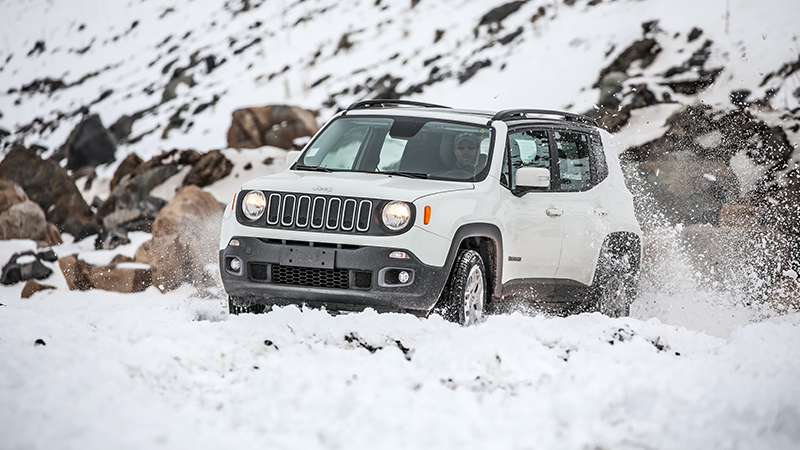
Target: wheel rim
(473, 296)
(613, 299)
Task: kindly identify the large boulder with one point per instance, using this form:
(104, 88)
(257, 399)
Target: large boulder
(276, 125)
(118, 276)
(89, 144)
(185, 238)
(49, 185)
(10, 194)
(21, 218)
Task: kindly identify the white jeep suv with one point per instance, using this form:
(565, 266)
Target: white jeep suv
(407, 206)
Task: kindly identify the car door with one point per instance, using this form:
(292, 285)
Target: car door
(581, 170)
(533, 225)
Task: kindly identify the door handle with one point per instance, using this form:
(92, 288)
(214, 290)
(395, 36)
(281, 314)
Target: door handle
(553, 212)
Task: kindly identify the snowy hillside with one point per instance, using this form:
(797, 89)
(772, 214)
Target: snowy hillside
(708, 358)
(183, 67)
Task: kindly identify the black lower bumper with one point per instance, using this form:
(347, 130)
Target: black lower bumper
(337, 277)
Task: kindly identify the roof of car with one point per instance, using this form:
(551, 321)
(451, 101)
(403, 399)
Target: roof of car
(409, 107)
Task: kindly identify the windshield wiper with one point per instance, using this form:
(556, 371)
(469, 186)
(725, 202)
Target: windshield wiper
(312, 168)
(405, 174)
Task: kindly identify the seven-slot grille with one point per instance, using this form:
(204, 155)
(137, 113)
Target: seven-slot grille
(318, 212)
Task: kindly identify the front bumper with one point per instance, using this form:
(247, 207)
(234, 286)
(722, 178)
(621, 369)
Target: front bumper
(335, 276)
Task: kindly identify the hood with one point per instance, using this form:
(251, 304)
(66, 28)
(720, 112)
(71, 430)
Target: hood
(352, 184)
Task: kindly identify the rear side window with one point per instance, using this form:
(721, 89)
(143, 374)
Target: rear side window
(573, 160)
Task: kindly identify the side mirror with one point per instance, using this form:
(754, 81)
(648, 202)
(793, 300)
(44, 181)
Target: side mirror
(291, 157)
(534, 177)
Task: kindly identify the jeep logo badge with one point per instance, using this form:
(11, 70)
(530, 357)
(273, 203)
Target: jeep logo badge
(322, 189)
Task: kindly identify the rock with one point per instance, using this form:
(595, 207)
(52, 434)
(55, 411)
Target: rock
(119, 276)
(185, 235)
(52, 236)
(10, 194)
(76, 272)
(127, 166)
(32, 286)
(190, 157)
(277, 125)
(122, 128)
(147, 181)
(473, 68)
(213, 166)
(24, 266)
(89, 144)
(49, 185)
(111, 238)
(741, 214)
(644, 51)
(495, 16)
(23, 221)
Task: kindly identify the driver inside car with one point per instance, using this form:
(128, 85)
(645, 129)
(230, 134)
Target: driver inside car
(466, 151)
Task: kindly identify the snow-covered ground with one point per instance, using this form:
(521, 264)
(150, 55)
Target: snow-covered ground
(171, 371)
(692, 368)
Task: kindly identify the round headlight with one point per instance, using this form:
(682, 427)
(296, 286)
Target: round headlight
(396, 215)
(254, 204)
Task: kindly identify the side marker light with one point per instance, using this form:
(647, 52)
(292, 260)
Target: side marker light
(427, 215)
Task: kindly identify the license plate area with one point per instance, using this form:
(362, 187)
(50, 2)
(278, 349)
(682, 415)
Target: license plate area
(314, 257)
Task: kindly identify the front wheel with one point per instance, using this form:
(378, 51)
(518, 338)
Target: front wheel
(466, 293)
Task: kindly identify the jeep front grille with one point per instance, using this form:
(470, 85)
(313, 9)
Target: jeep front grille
(318, 212)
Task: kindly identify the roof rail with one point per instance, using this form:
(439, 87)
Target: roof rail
(383, 103)
(523, 114)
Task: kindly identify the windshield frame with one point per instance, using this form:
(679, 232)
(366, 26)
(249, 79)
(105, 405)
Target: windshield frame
(301, 164)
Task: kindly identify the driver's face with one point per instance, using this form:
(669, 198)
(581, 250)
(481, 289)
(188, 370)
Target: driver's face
(466, 153)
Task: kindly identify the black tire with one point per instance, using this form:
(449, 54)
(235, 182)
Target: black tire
(242, 305)
(614, 286)
(465, 294)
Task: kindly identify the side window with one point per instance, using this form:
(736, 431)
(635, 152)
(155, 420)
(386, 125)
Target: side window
(528, 148)
(573, 160)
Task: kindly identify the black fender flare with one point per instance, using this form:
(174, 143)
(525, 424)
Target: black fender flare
(493, 257)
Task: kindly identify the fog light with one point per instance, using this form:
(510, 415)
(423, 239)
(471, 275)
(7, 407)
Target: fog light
(403, 277)
(395, 276)
(234, 242)
(235, 264)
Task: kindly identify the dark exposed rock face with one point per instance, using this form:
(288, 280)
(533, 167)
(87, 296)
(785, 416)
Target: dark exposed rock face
(644, 51)
(49, 185)
(277, 125)
(687, 173)
(495, 16)
(211, 167)
(89, 144)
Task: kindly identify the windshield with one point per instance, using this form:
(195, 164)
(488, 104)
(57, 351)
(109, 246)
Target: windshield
(412, 147)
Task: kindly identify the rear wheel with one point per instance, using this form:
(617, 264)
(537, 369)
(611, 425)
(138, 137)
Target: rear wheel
(614, 287)
(613, 298)
(465, 295)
